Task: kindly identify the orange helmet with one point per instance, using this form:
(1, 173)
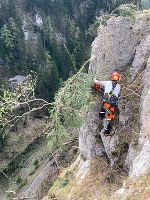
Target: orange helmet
(115, 76)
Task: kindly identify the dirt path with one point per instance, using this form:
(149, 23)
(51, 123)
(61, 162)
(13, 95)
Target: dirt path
(41, 182)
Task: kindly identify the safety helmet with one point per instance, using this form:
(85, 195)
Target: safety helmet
(115, 76)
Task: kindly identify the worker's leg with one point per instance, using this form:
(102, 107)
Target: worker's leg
(107, 127)
(109, 122)
(102, 113)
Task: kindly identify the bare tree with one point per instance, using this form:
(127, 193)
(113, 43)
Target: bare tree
(139, 4)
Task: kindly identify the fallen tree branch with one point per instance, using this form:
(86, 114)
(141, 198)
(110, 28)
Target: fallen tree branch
(17, 118)
(30, 101)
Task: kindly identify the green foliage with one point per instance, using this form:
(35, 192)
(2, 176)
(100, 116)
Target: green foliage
(104, 19)
(35, 167)
(64, 181)
(126, 10)
(113, 4)
(22, 184)
(19, 180)
(48, 79)
(83, 157)
(71, 103)
(10, 40)
(110, 177)
(92, 31)
(48, 30)
(36, 162)
(9, 195)
(6, 37)
(11, 98)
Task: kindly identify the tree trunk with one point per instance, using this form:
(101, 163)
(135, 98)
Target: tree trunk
(138, 4)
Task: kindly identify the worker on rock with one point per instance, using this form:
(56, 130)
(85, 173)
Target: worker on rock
(109, 101)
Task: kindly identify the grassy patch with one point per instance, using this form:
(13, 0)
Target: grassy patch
(20, 182)
(34, 167)
(110, 177)
(65, 180)
(137, 189)
(100, 181)
(9, 195)
(83, 157)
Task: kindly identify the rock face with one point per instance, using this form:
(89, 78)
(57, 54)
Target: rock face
(132, 153)
(118, 44)
(141, 27)
(141, 31)
(138, 160)
(141, 162)
(113, 48)
(141, 56)
(87, 140)
(110, 144)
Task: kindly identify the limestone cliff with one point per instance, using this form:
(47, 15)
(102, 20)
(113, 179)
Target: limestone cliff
(116, 46)
(124, 46)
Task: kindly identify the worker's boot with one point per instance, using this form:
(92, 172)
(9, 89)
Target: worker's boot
(107, 128)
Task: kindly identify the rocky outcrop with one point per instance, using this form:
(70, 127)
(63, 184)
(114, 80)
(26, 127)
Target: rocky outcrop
(118, 44)
(113, 48)
(141, 162)
(111, 147)
(138, 160)
(141, 31)
(87, 133)
(141, 27)
(132, 153)
(141, 56)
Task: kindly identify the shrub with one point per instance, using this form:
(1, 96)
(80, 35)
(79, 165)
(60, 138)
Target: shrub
(35, 167)
(126, 10)
(63, 182)
(22, 184)
(83, 157)
(18, 180)
(110, 177)
(36, 162)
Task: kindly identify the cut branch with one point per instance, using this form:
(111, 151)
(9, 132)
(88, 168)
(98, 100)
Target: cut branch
(17, 118)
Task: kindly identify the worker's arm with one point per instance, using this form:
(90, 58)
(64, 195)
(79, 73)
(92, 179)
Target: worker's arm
(97, 86)
(97, 81)
(101, 83)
